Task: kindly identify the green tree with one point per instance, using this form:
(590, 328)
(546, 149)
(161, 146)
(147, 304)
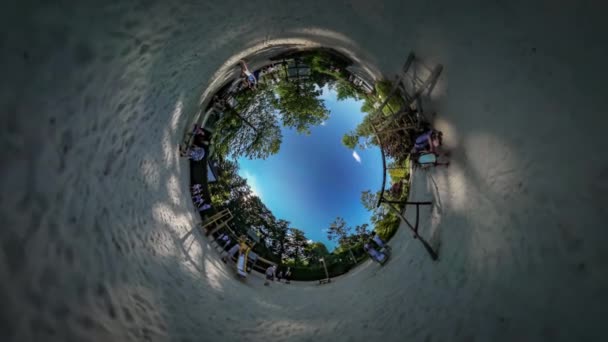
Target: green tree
(369, 200)
(279, 234)
(383, 90)
(340, 232)
(396, 144)
(315, 251)
(387, 227)
(300, 106)
(346, 90)
(266, 138)
(249, 212)
(250, 128)
(368, 106)
(296, 245)
(361, 231)
(237, 139)
(350, 140)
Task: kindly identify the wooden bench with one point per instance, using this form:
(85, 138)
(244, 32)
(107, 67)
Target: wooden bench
(324, 281)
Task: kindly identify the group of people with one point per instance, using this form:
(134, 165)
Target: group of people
(271, 275)
(241, 251)
(427, 149)
(225, 240)
(200, 141)
(241, 246)
(250, 79)
(198, 199)
(377, 249)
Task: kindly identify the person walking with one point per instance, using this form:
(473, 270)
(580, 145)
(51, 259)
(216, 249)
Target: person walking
(270, 274)
(231, 252)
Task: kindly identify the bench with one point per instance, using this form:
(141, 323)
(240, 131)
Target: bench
(324, 281)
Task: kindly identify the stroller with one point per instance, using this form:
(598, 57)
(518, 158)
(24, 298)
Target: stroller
(380, 256)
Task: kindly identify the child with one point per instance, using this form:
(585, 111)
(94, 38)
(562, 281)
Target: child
(225, 239)
(231, 252)
(270, 274)
(280, 276)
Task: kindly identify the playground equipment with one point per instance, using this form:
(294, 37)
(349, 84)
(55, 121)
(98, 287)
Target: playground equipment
(217, 222)
(220, 223)
(241, 263)
(327, 279)
(409, 119)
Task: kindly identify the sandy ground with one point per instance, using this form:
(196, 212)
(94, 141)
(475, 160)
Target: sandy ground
(96, 242)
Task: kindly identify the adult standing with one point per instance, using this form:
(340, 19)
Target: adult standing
(250, 79)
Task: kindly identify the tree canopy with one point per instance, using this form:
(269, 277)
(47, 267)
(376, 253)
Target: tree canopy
(350, 140)
(251, 126)
(299, 105)
(279, 240)
(396, 142)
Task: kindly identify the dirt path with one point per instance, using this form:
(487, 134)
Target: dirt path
(96, 243)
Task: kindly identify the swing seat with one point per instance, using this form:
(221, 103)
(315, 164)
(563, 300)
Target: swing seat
(427, 159)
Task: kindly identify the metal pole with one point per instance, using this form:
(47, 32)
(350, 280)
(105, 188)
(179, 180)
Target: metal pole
(425, 244)
(325, 268)
(406, 202)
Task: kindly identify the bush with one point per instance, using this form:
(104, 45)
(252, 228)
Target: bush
(339, 268)
(334, 269)
(383, 89)
(387, 227)
(316, 273)
(307, 273)
(397, 174)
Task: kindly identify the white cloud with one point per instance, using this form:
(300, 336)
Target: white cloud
(323, 123)
(309, 241)
(356, 156)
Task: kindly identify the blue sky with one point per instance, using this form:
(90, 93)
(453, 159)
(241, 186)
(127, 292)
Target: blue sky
(315, 178)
